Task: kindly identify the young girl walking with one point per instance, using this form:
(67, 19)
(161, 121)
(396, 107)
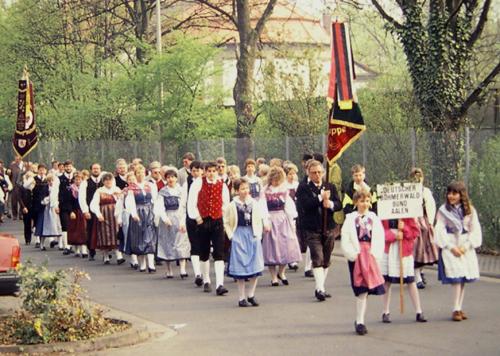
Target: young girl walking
(362, 240)
(458, 234)
(243, 222)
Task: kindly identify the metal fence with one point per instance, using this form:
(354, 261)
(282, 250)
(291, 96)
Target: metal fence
(386, 156)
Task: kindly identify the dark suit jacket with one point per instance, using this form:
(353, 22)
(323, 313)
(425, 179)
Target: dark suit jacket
(311, 210)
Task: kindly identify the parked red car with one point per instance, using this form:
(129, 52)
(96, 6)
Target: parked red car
(10, 257)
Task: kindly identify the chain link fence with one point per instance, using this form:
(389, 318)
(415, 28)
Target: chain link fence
(387, 157)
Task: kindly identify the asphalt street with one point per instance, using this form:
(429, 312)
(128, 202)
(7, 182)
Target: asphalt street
(289, 320)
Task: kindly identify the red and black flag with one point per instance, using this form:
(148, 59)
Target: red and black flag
(25, 137)
(345, 124)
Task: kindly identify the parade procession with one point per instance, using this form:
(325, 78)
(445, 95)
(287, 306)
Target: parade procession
(247, 242)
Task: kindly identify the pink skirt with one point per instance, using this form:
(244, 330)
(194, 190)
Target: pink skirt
(366, 271)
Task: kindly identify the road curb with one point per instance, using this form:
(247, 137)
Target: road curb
(141, 330)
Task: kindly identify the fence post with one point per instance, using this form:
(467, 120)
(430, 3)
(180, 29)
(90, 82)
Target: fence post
(287, 148)
(253, 148)
(323, 143)
(223, 148)
(363, 143)
(198, 152)
(413, 137)
(467, 156)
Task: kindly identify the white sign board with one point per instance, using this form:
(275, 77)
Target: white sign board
(399, 200)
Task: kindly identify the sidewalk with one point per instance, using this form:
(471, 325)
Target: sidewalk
(489, 265)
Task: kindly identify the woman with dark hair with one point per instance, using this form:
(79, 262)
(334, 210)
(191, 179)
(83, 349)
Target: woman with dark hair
(103, 205)
(458, 234)
(77, 225)
(170, 217)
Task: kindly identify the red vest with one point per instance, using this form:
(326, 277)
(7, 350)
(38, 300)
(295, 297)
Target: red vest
(210, 199)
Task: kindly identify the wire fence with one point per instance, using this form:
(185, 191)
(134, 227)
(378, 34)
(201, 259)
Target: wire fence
(386, 156)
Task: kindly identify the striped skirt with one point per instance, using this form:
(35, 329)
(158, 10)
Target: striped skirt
(107, 230)
(142, 234)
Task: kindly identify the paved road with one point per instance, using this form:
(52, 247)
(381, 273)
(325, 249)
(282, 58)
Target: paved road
(289, 321)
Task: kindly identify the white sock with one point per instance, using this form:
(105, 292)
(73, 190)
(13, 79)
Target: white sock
(205, 271)
(252, 286)
(84, 250)
(142, 262)
(106, 256)
(65, 240)
(182, 266)
(308, 262)
(133, 259)
(151, 260)
(319, 278)
(195, 261)
(60, 243)
(326, 273)
(241, 289)
(418, 277)
(457, 291)
(219, 273)
(462, 294)
(118, 254)
(37, 239)
(361, 308)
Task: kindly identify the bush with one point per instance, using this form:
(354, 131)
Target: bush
(485, 192)
(54, 309)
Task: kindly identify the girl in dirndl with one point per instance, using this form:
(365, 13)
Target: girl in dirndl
(425, 252)
(400, 232)
(362, 241)
(77, 227)
(458, 234)
(243, 223)
(141, 230)
(280, 244)
(170, 217)
(103, 205)
(123, 219)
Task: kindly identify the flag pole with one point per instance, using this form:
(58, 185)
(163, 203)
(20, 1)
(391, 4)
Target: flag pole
(401, 284)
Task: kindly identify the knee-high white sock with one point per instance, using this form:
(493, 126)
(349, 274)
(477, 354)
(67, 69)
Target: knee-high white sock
(415, 297)
(151, 260)
(326, 272)
(134, 260)
(205, 271)
(241, 289)
(195, 261)
(37, 239)
(64, 238)
(387, 297)
(252, 285)
(118, 254)
(60, 243)
(84, 250)
(105, 256)
(308, 261)
(462, 294)
(182, 266)
(219, 273)
(142, 262)
(418, 276)
(457, 291)
(319, 278)
(361, 308)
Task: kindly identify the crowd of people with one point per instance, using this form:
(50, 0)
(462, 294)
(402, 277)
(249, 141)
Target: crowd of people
(266, 217)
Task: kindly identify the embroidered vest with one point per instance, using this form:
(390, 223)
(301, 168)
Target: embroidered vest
(210, 199)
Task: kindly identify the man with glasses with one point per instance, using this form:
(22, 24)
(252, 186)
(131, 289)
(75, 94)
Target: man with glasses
(317, 201)
(155, 175)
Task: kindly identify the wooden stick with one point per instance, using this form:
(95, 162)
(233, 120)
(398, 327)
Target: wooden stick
(401, 284)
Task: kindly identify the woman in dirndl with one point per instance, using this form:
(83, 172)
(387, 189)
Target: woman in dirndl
(103, 205)
(141, 230)
(425, 252)
(170, 215)
(77, 227)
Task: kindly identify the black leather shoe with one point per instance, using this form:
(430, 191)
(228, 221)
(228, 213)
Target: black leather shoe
(420, 285)
(120, 261)
(386, 318)
(159, 262)
(142, 270)
(420, 318)
(169, 276)
(360, 329)
(319, 295)
(85, 256)
(221, 290)
(283, 280)
(107, 262)
(91, 258)
(243, 303)
(37, 245)
(207, 288)
(44, 248)
(293, 267)
(327, 295)
(275, 284)
(253, 301)
(151, 270)
(53, 244)
(185, 275)
(66, 252)
(198, 281)
(309, 274)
